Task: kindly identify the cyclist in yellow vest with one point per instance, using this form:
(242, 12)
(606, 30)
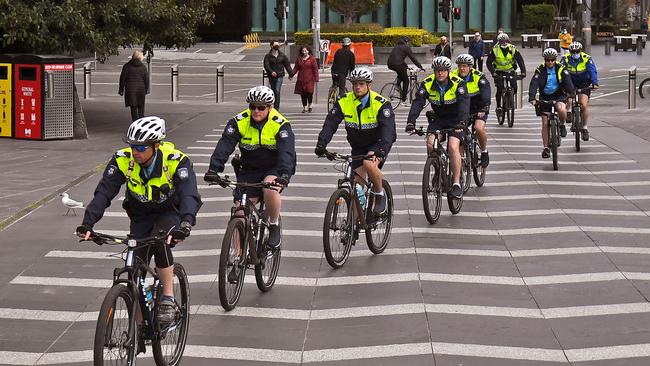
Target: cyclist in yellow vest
(161, 194)
(370, 126)
(584, 75)
(478, 88)
(268, 154)
(449, 99)
(504, 60)
(553, 83)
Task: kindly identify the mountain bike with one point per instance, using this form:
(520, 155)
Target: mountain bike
(437, 176)
(245, 245)
(507, 98)
(554, 137)
(349, 210)
(393, 90)
(576, 117)
(117, 337)
(474, 152)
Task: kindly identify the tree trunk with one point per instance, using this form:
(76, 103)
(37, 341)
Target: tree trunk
(348, 19)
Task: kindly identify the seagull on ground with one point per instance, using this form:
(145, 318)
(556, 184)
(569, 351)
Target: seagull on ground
(70, 204)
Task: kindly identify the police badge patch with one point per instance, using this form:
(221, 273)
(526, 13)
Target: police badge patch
(386, 113)
(110, 170)
(183, 173)
(421, 92)
(230, 130)
(482, 81)
(461, 90)
(284, 134)
(333, 111)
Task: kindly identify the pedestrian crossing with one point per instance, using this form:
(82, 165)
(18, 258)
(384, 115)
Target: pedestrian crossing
(533, 254)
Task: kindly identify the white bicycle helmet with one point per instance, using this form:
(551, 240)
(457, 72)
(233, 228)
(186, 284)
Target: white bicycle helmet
(441, 63)
(575, 46)
(361, 74)
(146, 130)
(503, 37)
(261, 95)
(549, 53)
(347, 41)
(465, 58)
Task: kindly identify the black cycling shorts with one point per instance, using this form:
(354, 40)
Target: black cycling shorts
(442, 124)
(143, 226)
(251, 176)
(363, 151)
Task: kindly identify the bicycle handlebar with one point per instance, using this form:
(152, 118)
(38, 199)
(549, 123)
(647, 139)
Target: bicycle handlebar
(348, 158)
(101, 238)
(226, 182)
(421, 132)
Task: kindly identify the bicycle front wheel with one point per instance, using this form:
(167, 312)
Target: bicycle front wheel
(169, 346)
(232, 264)
(267, 271)
(431, 190)
(477, 168)
(338, 228)
(466, 169)
(379, 227)
(577, 126)
(511, 109)
(392, 91)
(116, 332)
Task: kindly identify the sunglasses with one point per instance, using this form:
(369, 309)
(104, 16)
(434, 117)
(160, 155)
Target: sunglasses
(549, 60)
(140, 148)
(257, 107)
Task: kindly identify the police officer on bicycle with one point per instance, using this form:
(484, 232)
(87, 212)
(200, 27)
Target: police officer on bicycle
(450, 101)
(161, 194)
(553, 83)
(268, 154)
(584, 75)
(370, 127)
(478, 88)
(503, 60)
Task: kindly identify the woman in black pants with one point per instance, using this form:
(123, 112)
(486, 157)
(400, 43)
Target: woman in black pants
(134, 84)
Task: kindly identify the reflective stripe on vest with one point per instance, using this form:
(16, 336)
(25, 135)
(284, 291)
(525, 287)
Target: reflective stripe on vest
(580, 67)
(450, 93)
(473, 87)
(142, 191)
(253, 138)
(504, 62)
(349, 104)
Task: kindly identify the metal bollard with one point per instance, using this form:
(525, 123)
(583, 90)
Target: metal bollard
(87, 80)
(608, 48)
(264, 76)
(631, 90)
(220, 91)
(175, 83)
(639, 46)
(520, 93)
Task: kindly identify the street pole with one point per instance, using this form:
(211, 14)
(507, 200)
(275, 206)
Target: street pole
(284, 20)
(316, 31)
(586, 26)
(451, 21)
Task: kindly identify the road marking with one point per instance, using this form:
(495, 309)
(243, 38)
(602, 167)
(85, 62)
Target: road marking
(608, 94)
(608, 353)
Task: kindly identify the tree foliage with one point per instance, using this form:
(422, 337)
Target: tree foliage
(351, 9)
(102, 26)
(538, 15)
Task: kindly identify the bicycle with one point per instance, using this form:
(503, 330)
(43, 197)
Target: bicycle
(474, 152)
(438, 176)
(333, 96)
(393, 90)
(345, 215)
(554, 137)
(507, 99)
(245, 245)
(576, 117)
(646, 83)
(116, 334)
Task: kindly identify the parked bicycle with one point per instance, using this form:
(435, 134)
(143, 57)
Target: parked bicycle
(245, 245)
(117, 337)
(554, 137)
(349, 210)
(393, 90)
(507, 99)
(437, 176)
(576, 117)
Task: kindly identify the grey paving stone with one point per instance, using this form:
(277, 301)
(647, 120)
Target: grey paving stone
(636, 361)
(477, 294)
(30, 335)
(447, 360)
(367, 295)
(602, 331)
(582, 294)
(564, 264)
(423, 360)
(468, 265)
(554, 240)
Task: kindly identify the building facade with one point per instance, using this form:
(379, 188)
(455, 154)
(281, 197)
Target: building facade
(483, 15)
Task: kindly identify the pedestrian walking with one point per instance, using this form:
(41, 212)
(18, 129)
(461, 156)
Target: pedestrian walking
(442, 49)
(477, 50)
(307, 69)
(134, 84)
(565, 41)
(275, 63)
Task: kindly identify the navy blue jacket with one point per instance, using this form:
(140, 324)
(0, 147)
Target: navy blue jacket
(451, 114)
(477, 49)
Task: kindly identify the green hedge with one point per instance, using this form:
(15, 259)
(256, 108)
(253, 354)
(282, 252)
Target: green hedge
(388, 38)
(354, 28)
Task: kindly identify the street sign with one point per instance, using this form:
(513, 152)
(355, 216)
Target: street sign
(324, 45)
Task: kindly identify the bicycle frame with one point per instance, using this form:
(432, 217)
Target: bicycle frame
(348, 182)
(252, 222)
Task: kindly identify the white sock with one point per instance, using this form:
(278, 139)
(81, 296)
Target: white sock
(273, 223)
(378, 194)
(485, 151)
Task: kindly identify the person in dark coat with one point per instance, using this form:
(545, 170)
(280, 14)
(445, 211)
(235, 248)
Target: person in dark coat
(275, 62)
(134, 84)
(343, 64)
(442, 49)
(307, 69)
(396, 62)
(477, 50)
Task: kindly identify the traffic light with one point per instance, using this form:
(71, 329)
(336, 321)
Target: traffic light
(278, 11)
(443, 8)
(457, 13)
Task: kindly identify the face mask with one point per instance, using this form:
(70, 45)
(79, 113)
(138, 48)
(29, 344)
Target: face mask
(276, 47)
(503, 45)
(305, 52)
(575, 56)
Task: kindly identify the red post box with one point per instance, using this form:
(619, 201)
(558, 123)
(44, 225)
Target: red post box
(43, 97)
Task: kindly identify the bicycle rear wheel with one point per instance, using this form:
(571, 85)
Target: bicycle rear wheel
(553, 141)
(267, 271)
(232, 264)
(501, 117)
(644, 88)
(169, 346)
(116, 332)
(577, 125)
(392, 91)
(511, 109)
(378, 231)
(477, 169)
(466, 168)
(431, 190)
(338, 228)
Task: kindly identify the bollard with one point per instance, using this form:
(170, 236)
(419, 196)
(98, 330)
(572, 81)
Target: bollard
(631, 90)
(639, 46)
(264, 76)
(520, 92)
(175, 83)
(87, 80)
(220, 91)
(608, 48)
